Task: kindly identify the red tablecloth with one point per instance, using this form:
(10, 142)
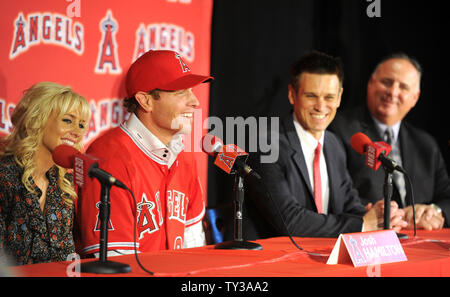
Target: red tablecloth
(428, 255)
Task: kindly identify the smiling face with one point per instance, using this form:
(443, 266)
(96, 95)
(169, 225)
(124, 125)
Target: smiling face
(169, 114)
(316, 101)
(393, 90)
(67, 128)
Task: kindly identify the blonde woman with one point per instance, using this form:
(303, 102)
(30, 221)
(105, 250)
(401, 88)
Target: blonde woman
(36, 195)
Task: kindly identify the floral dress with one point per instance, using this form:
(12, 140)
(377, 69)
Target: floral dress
(28, 234)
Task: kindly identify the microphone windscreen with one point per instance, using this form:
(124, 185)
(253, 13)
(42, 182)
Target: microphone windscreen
(63, 155)
(211, 144)
(359, 141)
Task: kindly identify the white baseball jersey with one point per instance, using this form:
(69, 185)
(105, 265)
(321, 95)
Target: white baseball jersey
(164, 181)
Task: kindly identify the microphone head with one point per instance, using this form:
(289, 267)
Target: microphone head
(211, 144)
(63, 155)
(359, 142)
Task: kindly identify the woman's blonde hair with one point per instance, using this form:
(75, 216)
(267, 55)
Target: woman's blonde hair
(29, 119)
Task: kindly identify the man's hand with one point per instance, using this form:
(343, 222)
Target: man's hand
(427, 217)
(374, 217)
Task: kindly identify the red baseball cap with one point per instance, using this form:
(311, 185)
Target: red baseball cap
(161, 69)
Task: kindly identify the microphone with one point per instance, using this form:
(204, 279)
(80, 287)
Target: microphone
(230, 158)
(83, 166)
(375, 152)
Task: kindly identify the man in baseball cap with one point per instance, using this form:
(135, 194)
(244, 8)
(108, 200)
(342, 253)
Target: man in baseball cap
(146, 154)
(164, 73)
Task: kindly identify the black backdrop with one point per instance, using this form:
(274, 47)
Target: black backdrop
(254, 42)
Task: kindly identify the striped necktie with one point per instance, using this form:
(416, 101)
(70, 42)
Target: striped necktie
(399, 179)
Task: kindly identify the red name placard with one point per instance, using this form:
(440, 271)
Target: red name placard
(367, 248)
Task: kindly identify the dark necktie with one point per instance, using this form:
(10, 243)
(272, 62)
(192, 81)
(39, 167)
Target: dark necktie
(317, 179)
(398, 177)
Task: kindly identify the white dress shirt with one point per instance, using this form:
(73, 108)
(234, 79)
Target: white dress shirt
(309, 144)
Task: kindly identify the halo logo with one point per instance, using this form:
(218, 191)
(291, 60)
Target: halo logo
(108, 59)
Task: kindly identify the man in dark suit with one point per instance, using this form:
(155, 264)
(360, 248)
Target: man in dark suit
(308, 190)
(392, 90)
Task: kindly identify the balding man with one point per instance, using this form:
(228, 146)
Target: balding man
(392, 91)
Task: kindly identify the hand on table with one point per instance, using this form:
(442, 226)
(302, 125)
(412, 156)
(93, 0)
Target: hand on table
(427, 217)
(374, 217)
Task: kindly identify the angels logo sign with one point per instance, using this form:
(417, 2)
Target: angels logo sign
(164, 37)
(108, 59)
(106, 113)
(46, 28)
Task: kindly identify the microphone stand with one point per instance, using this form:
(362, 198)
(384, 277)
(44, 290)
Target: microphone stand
(102, 265)
(238, 243)
(387, 191)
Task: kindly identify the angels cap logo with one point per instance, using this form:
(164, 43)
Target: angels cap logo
(184, 67)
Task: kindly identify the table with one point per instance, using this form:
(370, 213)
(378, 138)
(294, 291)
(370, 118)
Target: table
(428, 255)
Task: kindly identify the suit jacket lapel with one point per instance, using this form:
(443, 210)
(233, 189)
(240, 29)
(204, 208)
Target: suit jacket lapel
(331, 171)
(404, 143)
(297, 155)
(406, 155)
(368, 126)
